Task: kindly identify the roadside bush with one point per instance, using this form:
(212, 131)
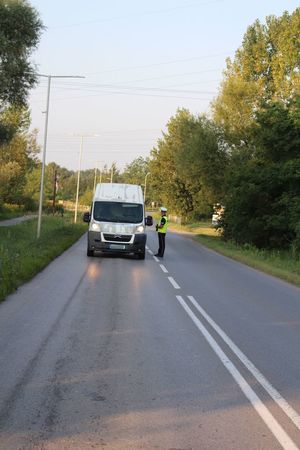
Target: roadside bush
(29, 204)
(263, 205)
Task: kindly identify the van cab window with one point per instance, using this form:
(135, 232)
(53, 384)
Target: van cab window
(118, 212)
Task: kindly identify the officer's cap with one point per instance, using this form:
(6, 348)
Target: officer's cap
(163, 209)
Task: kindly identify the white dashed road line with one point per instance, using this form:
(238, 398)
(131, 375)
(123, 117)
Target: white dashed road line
(163, 268)
(279, 433)
(173, 282)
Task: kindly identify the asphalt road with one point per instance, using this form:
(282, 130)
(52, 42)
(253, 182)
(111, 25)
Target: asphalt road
(194, 351)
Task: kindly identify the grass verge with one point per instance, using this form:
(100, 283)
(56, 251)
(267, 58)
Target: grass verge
(22, 255)
(279, 263)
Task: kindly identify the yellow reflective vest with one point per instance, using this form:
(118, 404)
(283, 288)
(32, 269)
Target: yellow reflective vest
(165, 226)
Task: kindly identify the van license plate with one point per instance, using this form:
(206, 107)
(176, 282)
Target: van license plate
(117, 247)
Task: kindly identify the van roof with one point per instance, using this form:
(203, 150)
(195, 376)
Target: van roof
(129, 193)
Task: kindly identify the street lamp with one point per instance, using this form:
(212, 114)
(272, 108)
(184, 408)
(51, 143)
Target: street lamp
(95, 177)
(145, 186)
(45, 144)
(79, 170)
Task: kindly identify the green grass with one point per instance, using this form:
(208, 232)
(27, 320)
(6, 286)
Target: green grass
(22, 255)
(279, 263)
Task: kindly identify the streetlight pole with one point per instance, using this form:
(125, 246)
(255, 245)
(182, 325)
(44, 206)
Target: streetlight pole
(79, 170)
(95, 177)
(145, 186)
(45, 144)
(44, 160)
(78, 179)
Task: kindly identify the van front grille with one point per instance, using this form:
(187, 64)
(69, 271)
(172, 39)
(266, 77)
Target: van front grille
(117, 237)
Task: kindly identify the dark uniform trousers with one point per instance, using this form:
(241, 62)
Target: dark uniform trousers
(161, 243)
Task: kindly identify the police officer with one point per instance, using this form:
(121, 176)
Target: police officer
(161, 229)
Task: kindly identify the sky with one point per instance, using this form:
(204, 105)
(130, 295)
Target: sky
(140, 61)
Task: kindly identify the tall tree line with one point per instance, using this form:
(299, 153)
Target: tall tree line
(20, 30)
(247, 154)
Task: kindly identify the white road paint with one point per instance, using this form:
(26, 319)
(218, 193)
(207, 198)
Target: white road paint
(173, 282)
(281, 402)
(276, 429)
(150, 251)
(163, 268)
(156, 259)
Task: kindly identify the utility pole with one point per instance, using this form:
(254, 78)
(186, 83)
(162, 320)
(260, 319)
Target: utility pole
(78, 179)
(79, 170)
(54, 191)
(45, 144)
(95, 177)
(145, 186)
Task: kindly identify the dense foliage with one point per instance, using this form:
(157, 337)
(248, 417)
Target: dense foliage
(263, 193)
(20, 29)
(187, 166)
(259, 110)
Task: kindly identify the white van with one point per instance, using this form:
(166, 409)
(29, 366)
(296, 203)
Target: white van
(117, 220)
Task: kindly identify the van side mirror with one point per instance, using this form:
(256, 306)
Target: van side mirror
(86, 217)
(149, 221)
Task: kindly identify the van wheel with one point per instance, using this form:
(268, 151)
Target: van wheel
(89, 252)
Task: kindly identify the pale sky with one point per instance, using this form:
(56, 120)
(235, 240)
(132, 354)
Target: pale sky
(141, 61)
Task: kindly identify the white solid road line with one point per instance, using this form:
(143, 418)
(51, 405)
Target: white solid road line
(279, 433)
(173, 282)
(163, 268)
(281, 402)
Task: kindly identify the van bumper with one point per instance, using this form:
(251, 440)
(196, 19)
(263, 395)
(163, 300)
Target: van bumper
(95, 243)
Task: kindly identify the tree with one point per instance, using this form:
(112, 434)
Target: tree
(276, 132)
(169, 187)
(188, 165)
(202, 162)
(265, 68)
(17, 157)
(20, 30)
(135, 172)
(263, 194)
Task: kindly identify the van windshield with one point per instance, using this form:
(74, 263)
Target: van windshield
(118, 212)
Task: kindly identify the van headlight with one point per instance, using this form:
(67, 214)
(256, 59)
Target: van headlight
(140, 229)
(95, 227)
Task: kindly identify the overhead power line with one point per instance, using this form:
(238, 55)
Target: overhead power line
(133, 94)
(88, 87)
(147, 79)
(141, 14)
(163, 63)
